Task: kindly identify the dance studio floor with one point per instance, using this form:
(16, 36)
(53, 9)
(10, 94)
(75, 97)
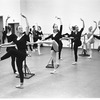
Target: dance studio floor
(70, 81)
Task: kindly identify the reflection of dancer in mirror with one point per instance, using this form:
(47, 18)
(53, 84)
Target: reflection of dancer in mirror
(55, 37)
(20, 52)
(90, 39)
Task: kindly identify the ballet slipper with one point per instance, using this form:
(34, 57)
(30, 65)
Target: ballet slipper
(23, 16)
(74, 63)
(16, 73)
(52, 72)
(90, 57)
(20, 86)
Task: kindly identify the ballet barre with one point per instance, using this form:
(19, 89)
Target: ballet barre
(27, 73)
(55, 46)
(5, 46)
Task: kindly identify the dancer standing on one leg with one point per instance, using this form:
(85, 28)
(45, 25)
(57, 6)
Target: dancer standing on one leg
(20, 52)
(90, 39)
(72, 32)
(56, 38)
(76, 36)
(10, 38)
(30, 36)
(39, 37)
(60, 42)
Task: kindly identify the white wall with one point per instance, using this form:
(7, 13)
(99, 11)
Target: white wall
(11, 8)
(43, 12)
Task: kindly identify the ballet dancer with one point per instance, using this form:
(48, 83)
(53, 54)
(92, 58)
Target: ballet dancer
(76, 36)
(10, 37)
(90, 39)
(30, 39)
(72, 32)
(3, 35)
(20, 52)
(56, 40)
(34, 37)
(39, 37)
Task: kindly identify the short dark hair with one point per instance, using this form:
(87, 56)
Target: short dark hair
(73, 27)
(9, 28)
(33, 26)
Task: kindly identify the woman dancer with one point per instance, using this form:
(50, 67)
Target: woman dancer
(34, 38)
(30, 36)
(10, 37)
(20, 52)
(76, 36)
(56, 40)
(90, 39)
(72, 32)
(39, 37)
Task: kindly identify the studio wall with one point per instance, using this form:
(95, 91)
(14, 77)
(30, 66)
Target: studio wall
(43, 12)
(10, 8)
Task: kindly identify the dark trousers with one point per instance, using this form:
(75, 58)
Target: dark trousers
(30, 47)
(13, 63)
(60, 49)
(75, 52)
(3, 39)
(12, 59)
(20, 57)
(35, 45)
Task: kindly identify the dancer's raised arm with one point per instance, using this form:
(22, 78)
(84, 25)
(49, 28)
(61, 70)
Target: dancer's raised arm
(83, 22)
(95, 27)
(27, 24)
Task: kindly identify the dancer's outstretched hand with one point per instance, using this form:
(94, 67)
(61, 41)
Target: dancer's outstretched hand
(94, 21)
(23, 16)
(8, 17)
(81, 19)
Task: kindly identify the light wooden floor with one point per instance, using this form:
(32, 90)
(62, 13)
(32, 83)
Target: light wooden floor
(70, 81)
